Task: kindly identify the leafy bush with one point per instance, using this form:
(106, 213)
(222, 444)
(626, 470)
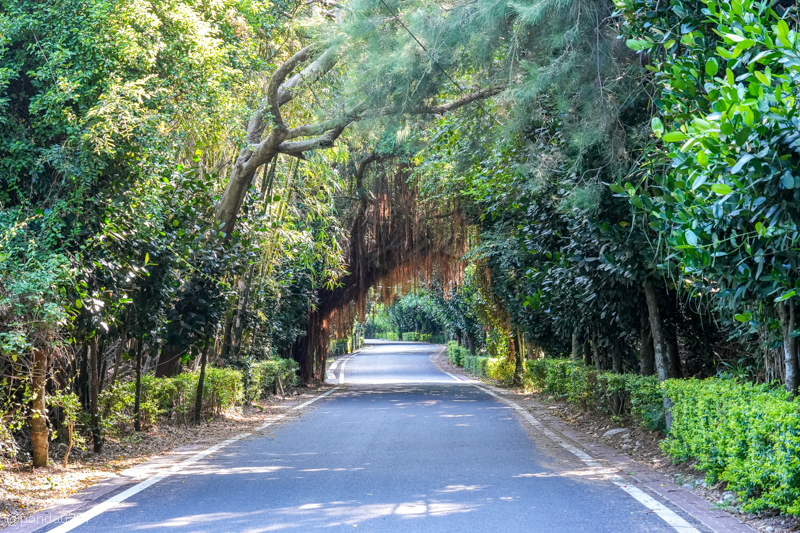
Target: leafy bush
(501, 369)
(425, 337)
(171, 398)
(456, 353)
(389, 336)
(746, 435)
(410, 336)
(438, 339)
(268, 376)
(616, 394)
(475, 364)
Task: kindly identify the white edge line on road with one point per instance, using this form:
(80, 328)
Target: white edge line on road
(341, 370)
(312, 400)
(665, 513)
(139, 487)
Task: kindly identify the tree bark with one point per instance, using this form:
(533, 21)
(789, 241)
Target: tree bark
(787, 313)
(675, 369)
(198, 402)
(596, 353)
(647, 352)
(137, 401)
(576, 347)
(587, 354)
(617, 356)
(39, 432)
(658, 345)
(94, 393)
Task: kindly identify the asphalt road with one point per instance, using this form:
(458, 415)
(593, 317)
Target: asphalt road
(402, 447)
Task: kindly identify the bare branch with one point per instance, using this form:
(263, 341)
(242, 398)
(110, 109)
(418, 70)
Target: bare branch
(444, 108)
(277, 80)
(326, 140)
(318, 68)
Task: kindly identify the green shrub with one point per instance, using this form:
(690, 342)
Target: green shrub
(389, 336)
(425, 337)
(271, 375)
(438, 339)
(410, 336)
(746, 435)
(454, 353)
(474, 363)
(501, 369)
(170, 398)
(615, 394)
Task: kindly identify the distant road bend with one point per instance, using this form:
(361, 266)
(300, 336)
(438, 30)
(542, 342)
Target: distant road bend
(400, 447)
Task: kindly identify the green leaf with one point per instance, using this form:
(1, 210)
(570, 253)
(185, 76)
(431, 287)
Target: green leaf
(743, 317)
(617, 188)
(721, 189)
(783, 29)
(674, 136)
(785, 296)
(787, 180)
(146, 258)
(702, 158)
(691, 237)
(741, 163)
(712, 67)
(638, 44)
(657, 126)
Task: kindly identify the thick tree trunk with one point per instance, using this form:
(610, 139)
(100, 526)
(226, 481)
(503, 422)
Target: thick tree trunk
(587, 354)
(201, 381)
(788, 322)
(617, 356)
(596, 353)
(39, 432)
(169, 362)
(226, 339)
(471, 343)
(647, 352)
(94, 393)
(137, 401)
(658, 345)
(576, 347)
(675, 369)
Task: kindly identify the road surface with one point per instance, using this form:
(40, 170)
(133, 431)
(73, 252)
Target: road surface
(401, 447)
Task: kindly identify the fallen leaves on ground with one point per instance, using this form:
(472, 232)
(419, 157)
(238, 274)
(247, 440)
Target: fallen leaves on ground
(24, 490)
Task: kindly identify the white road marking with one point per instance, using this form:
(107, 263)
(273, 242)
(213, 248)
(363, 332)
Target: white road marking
(341, 369)
(666, 514)
(139, 487)
(312, 400)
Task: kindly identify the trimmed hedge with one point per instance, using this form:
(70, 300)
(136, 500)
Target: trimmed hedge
(475, 364)
(743, 434)
(425, 337)
(456, 353)
(174, 398)
(271, 375)
(615, 394)
(746, 435)
(410, 336)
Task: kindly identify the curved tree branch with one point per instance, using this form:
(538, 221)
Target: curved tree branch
(444, 108)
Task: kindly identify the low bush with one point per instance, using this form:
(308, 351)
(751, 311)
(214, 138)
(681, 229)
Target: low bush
(615, 394)
(271, 376)
(410, 336)
(425, 337)
(475, 363)
(174, 398)
(456, 353)
(501, 369)
(746, 435)
(438, 339)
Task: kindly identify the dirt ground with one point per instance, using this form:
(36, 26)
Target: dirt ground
(24, 490)
(643, 446)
